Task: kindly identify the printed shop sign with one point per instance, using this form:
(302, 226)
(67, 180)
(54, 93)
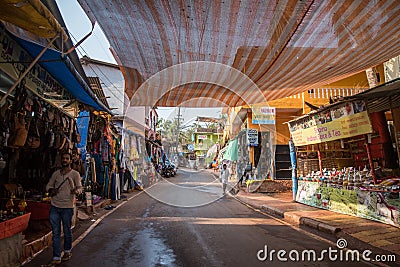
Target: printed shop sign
(38, 80)
(341, 122)
(341, 128)
(262, 114)
(252, 137)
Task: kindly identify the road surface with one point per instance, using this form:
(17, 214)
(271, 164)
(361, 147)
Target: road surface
(187, 221)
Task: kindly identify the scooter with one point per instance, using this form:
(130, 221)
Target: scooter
(165, 171)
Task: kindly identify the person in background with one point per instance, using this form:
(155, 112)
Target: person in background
(225, 173)
(253, 174)
(240, 172)
(215, 164)
(63, 185)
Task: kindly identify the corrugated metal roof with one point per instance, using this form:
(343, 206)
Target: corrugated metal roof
(284, 47)
(382, 97)
(95, 84)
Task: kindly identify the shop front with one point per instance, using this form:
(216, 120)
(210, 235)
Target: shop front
(347, 160)
(38, 124)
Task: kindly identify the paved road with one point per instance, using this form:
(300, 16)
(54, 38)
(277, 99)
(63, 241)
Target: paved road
(186, 221)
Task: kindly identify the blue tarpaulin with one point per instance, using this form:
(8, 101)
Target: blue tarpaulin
(65, 73)
(82, 123)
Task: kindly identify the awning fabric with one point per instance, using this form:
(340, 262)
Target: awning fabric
(221, 152)
(284, 47)
(231, 152)
(64, 72)
(212, 151)
(31, 15)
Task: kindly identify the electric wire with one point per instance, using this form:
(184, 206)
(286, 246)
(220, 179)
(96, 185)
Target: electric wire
(111, 84)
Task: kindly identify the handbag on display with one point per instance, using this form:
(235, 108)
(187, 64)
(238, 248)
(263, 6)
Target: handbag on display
(76, 137)
(18, 134)
(33, 139)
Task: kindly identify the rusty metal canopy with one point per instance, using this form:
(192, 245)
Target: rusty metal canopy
(284, 47)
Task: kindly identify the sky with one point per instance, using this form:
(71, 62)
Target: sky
(96, 47)
(78, 24)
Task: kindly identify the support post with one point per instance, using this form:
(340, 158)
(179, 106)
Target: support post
(319, 161)
(370, 161)
(293, 162)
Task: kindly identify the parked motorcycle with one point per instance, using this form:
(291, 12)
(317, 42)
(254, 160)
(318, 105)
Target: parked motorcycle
(167, 170)
(173, 169)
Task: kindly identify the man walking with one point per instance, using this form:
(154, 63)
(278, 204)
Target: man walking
(62, 187)
(224, 177)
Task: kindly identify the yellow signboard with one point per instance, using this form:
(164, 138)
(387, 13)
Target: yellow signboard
(262, 114)
(343, 127)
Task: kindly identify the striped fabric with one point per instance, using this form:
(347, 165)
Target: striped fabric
(285, 47)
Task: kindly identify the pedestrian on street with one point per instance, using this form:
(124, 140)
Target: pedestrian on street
(63, 185)
(215, 164)
(224, 177)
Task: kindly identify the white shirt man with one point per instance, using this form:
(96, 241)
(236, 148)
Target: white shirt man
(225, 173)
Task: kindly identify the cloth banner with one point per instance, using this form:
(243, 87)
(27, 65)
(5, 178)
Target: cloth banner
(82, 123)
(231, 152)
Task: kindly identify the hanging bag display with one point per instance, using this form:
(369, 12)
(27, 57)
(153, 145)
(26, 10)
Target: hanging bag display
(19, 133)
(76, 137)
(59, 137)
(33, 139)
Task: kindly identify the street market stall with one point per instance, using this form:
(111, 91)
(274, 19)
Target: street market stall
(37, 123)
(346, 161)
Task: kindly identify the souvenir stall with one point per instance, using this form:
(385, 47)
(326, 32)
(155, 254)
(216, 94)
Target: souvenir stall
(33, 137)
(255, 163)
(243, 151)
(153, 163)
(345, 161)
(133, 161)
(102, 158)
(37, 123)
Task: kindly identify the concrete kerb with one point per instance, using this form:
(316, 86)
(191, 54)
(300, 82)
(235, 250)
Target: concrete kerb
(315, 224)
(273, 211)
(289, 217)
(293, 218)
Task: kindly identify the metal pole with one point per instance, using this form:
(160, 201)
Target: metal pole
(293, 162)
(370, 160)
(320, 162)
(28, 69)
(178, 131)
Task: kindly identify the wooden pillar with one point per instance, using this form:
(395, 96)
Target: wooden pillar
(396, 124)
(320, 161)
(380, 126)
(370, 161)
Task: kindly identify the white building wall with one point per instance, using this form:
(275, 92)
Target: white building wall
(112, 82)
